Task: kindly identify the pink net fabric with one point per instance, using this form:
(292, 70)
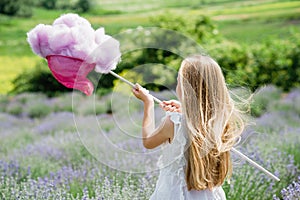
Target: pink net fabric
(71, 72)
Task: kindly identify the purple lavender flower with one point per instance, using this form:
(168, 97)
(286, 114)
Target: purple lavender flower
(54, 122)
(291, 192)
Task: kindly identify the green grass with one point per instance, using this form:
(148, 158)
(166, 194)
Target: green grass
(11, 66)
(142, 6)
(245, 22)
(116, 23)
(259, 8)
(136, 6)
(257, 31)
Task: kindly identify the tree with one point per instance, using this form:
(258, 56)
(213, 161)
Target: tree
(9, 7)
(19, 8)
(83, 5)
(49, 4)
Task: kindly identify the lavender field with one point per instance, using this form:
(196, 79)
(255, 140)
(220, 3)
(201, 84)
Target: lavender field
(78, 147)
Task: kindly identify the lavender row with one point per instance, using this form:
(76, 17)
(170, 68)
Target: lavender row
(51, 157)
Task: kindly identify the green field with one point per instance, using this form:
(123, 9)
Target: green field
(245, 22)
(67, 146)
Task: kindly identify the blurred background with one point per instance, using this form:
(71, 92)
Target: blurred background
(256, 43)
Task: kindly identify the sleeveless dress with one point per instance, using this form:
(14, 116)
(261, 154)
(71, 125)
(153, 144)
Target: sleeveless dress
(171, 184)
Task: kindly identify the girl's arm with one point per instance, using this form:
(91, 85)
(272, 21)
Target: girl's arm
(152, 137)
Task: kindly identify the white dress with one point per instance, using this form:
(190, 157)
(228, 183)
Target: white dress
(171, 184)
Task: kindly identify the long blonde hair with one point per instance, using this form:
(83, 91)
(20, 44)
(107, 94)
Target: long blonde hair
(213, 123)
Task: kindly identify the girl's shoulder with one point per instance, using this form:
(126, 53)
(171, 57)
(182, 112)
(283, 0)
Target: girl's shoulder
(179, 129)
(175, 117)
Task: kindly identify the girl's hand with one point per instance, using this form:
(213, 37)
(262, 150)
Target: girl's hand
(171, 105)
(142, 94)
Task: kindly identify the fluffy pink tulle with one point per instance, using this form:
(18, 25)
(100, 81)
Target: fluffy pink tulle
(72, 46)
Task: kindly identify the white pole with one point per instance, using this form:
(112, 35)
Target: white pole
(131, 84)
(233, 149)
(255, 164)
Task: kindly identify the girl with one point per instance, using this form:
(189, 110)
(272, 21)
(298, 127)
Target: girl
(196, 134)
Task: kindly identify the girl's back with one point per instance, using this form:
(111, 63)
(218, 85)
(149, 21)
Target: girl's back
(171, 183)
